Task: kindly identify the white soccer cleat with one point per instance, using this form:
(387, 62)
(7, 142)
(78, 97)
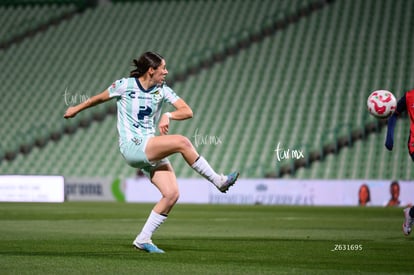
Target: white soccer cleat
(148, 247)
(228, 181)
(408, 222)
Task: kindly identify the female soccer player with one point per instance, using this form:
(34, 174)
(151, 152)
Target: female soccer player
(139, 101)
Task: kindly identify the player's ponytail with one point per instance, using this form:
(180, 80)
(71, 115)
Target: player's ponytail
(146, 61)
(138, 72)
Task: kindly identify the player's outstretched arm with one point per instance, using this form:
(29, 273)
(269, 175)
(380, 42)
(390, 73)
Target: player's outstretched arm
(95, 100)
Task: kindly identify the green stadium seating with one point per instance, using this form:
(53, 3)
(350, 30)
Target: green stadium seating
(21, 19)
(303, 85)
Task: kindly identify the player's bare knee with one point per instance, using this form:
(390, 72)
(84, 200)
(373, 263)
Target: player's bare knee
(185, 143)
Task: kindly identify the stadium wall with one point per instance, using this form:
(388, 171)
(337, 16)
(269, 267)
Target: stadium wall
(19, 188)
(274, 192)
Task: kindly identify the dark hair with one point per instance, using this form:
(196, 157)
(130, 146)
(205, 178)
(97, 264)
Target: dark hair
(395, 183)
(146, 61)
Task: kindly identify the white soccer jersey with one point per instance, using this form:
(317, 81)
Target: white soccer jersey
(139, 110)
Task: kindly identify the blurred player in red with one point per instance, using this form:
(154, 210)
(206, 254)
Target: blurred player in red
(405, 103)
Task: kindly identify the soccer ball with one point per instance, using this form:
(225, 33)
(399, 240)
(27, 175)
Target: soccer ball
(381, 103)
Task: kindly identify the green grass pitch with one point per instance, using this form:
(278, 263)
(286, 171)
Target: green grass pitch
(95, 238)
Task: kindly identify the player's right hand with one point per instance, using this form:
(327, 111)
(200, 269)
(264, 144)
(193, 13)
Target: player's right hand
(70, 112)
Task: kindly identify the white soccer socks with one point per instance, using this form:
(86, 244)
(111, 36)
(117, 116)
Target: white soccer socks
(151, 225)
(202, 167)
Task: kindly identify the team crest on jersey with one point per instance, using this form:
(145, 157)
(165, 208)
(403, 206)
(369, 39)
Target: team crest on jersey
(157, 96)
(136, 140)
